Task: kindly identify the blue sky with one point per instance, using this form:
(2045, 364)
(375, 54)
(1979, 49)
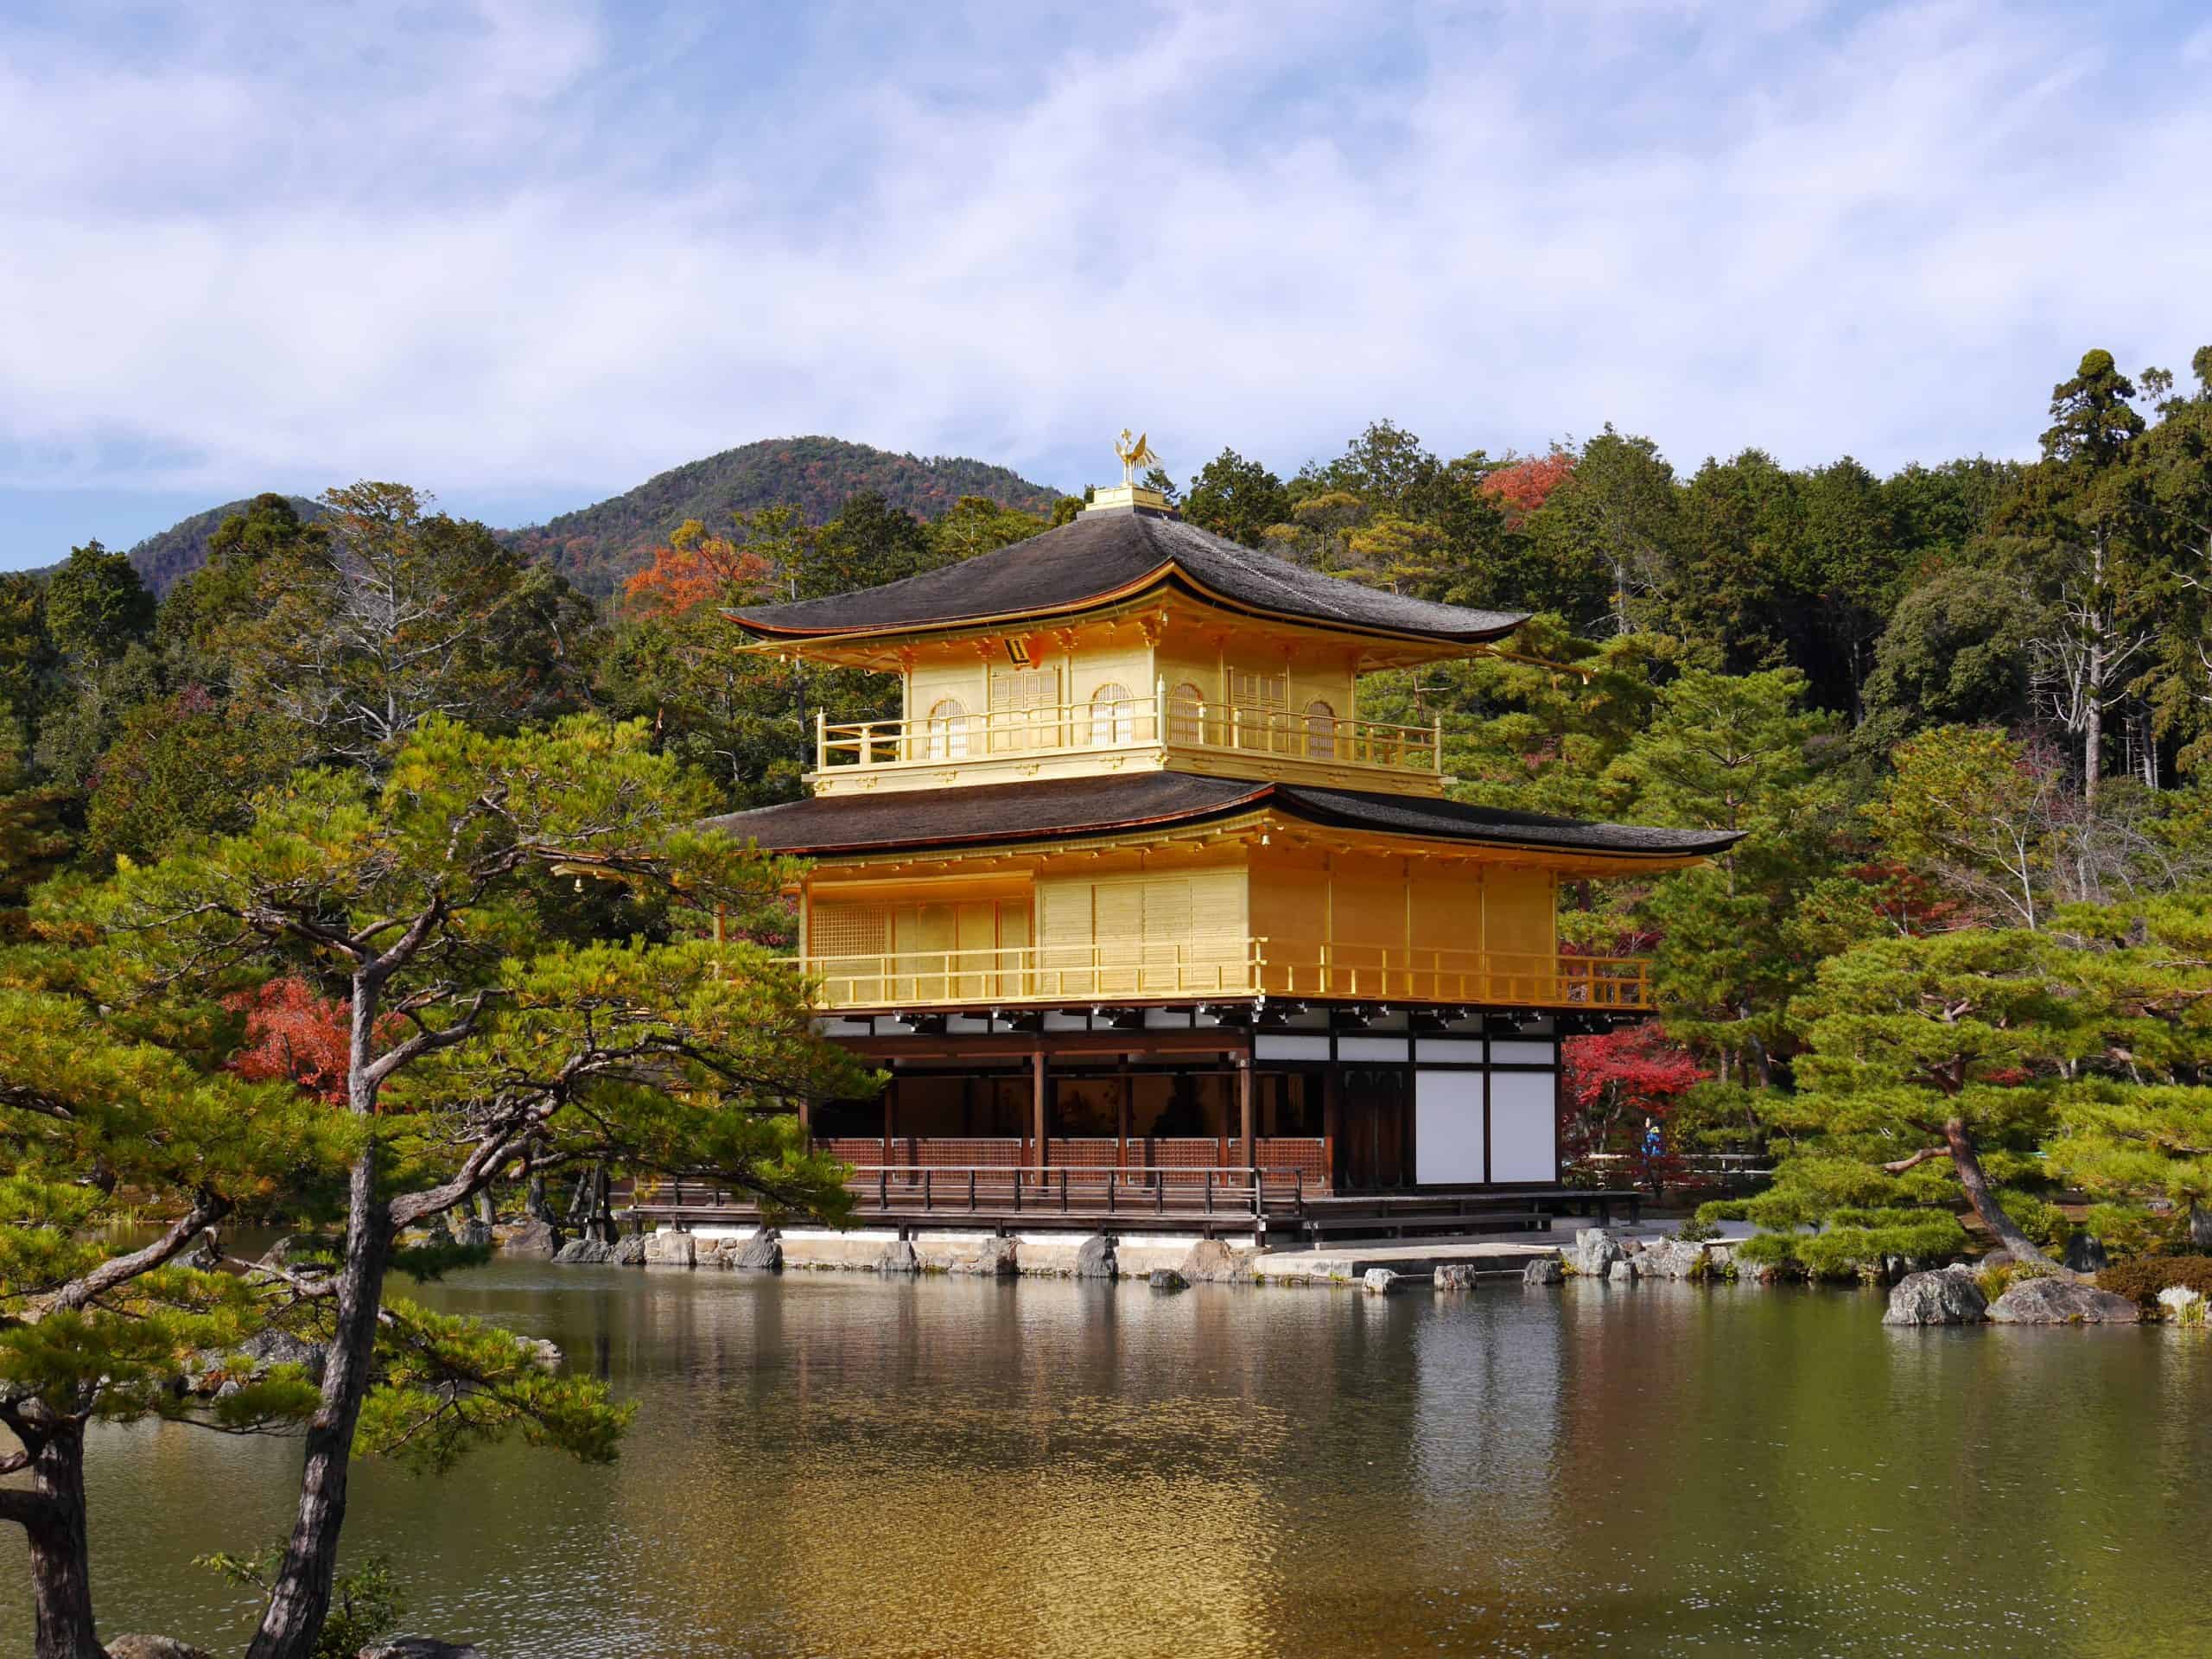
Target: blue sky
(524, 256)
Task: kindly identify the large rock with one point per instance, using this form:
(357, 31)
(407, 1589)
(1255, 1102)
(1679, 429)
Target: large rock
(545, 1353)
(1950, 1297)
(1544, 1270)
(415, 1647)
(762, 1253)
(672, 1250)
(530, 1238)
(1594, 1252)
(1624, 1271)
(1380, 1282)
(991, 1257)
(1095, 1258)
(899, 1257)
(153, 1647)
(1212, 1262)
(629, 1251)
(1168, 1279)
(1670, 1258)
(474, 1233)
(2061, 1301)
(586, 1252)
(1454, 1275)
(2085, 1253)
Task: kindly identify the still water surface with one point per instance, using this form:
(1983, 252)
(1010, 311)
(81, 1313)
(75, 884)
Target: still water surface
(833, 1464)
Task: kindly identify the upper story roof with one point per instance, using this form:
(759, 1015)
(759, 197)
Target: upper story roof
(1107, 556)
(1069, 807)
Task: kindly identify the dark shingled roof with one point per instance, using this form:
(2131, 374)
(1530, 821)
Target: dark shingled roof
(889, 820)
(1103, 554)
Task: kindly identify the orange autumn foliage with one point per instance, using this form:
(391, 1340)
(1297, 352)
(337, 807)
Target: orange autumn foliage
(294, 1035)
(696, 569)
(1524, 487)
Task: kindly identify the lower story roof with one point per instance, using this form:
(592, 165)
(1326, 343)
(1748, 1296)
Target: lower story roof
(1068, 808)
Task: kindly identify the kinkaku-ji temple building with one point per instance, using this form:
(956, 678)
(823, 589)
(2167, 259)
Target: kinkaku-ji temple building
(1149, 928)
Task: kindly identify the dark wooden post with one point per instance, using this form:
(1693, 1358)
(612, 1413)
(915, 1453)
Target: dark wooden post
(1038, 1101)
(1244, 1109)
(1121, 1116)
(890, 1116)
(1333, 1123)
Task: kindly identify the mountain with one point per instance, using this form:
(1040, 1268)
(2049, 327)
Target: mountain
(167, 557)
(597, 546)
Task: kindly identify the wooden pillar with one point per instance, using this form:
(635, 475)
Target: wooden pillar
(890, 1116)
(1038, 1100)
(1121, 1117)
(1244, 1107)
(1332, 1121)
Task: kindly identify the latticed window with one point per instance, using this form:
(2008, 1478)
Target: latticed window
(1186, 714)
(1320, 731)
(945, 737)
(1262, 704)
(848, 929)
(1022, 699)
(1113, 716)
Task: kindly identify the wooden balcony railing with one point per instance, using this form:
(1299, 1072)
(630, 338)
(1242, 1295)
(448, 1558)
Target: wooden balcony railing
(1224, 966)
(1159, 720)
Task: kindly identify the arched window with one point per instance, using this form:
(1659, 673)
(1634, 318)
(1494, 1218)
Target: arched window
(1320, 731)
(1186, 714)
(1113, 716)
(945, 737)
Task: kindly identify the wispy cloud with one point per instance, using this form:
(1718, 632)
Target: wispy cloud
(531, 253)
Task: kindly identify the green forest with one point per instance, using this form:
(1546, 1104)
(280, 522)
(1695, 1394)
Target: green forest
(356, 879)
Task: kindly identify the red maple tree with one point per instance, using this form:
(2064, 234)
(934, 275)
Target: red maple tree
(295, 1035)
(1523, 486)
(694, 569)
(1613, 1084)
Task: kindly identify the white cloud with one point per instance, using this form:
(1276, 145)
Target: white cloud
(517, 251)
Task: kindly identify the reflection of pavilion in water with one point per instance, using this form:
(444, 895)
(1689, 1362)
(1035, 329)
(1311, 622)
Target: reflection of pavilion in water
(1046, 1469)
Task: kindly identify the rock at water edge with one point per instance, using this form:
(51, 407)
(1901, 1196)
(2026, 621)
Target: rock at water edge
(1379, 1282)
(991, 1258)
(1212, 1262)
(763, 1253)
(1670, 1258)
(1095, 1258)
(2061, 1301)
(531, 1238)
(153, 1647)
(1623, 1272)
(629, 1251)
(899, 1257)
(585, 1252)
(1168, 1279)
(1455, 1275)
(417, 1647)
(1594, 1252)
(672, 1250)
(2183, 1305)
(1950, 1297)
(474, 1234)
(1544, 1270)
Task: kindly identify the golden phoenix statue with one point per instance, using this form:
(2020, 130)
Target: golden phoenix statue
(1133, 455)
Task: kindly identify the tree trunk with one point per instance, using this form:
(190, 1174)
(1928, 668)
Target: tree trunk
(1967, 1161)
(485, 1211)
(300, 1599)
(52, 1517)
(533, 1203)
(2199, 1227)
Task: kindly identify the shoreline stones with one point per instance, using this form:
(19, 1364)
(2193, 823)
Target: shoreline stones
(762, 1253)
(476, 1234)
(1380, 1282)
(899, 1257)
(1594, 1252)
(1212, 1262)
(530, 1238)
(1544, 1270)
(1455, 1275)
(672, 1250)
(1949, 1297)
(1095, 1258)
(584, 1252)
(1168, 1279)
(1623, 1272)
(2061, 1301)
(629, 1251)
(153, 1647)
(993, 1256)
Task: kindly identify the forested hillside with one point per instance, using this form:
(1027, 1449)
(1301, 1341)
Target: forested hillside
(167, 557)
(598, 547)
(1963, 712)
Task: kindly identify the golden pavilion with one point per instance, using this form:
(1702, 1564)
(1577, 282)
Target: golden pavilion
(1139, 914)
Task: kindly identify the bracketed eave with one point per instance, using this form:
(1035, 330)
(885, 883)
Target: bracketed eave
(1069, 807)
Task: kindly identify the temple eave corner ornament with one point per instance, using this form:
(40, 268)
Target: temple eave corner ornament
(1133, 455)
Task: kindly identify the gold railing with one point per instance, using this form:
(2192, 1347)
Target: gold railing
(1158, 720)
(1225, 966)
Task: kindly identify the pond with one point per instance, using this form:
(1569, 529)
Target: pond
(835, 1464)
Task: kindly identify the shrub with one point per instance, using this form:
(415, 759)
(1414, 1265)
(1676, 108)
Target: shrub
(1697, 1230)
(2144, 1276)
(1769, 1250)
(1995, 1282)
